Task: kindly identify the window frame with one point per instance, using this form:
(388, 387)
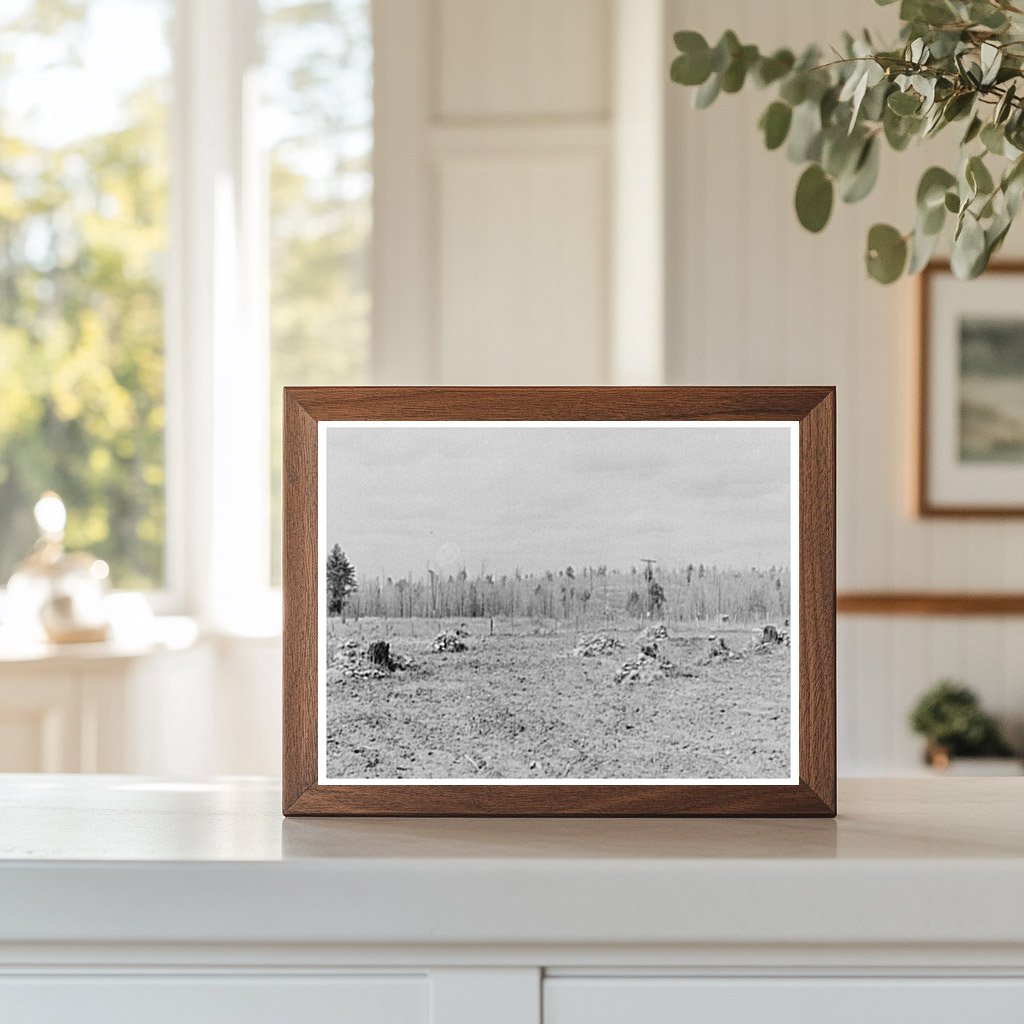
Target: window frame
(216, 329)
(217, 351)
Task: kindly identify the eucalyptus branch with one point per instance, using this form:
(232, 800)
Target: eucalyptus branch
(955, 61)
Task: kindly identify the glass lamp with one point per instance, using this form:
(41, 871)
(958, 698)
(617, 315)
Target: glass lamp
(56, 595)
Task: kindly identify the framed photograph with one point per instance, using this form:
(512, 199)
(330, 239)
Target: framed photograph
(559, 601)
(970, 450)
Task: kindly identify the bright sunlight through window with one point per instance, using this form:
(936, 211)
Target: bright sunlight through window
(83, 236)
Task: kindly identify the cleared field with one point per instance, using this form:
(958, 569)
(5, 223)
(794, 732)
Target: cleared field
(521, 704)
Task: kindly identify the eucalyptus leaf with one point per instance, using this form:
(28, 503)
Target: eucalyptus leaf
(794, 88)
(865, 174)
(993, 138)
(873, 107)
(886, 253)
(724, 51)
(775, 124)
(814, 196)
(978, 176)
(1005, 105)
(691, 70)
(958, 105)
(973, 130)
(968, 248)
(929, 12)
(931, 190)
(991, 60)
(925, 87)
(987, 15)
(840, 152)
(805, 133)
(1013, 187)
(932, 221)
(735, 74)
(707, 93)
(922, 248)
(771, 69)
(933, 122)
(900, 130)
(903, 103)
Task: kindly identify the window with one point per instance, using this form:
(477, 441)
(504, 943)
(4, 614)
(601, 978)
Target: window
(185, 222)
(83, 235)
(317, 88)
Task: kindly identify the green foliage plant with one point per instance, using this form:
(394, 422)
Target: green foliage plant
(950, 717)
(957, 62)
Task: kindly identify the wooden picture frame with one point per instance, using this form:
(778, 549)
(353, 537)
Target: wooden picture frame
(808, 791)
(940, 490)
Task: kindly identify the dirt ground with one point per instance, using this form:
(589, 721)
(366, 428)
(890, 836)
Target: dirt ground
(527, 703)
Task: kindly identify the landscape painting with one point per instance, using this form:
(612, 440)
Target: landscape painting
(991, 389)
(558, 602)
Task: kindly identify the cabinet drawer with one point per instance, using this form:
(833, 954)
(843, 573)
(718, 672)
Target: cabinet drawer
(782, 1001)
(202, 999)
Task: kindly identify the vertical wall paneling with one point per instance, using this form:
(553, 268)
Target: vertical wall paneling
(522, 201)
(638, 200)
(751, 298)
(504, 132)
(404, 345)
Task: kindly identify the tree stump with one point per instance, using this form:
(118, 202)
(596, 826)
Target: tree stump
(379, 653)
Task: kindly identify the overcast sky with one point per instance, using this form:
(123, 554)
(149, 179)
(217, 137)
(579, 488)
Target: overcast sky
(400, 499)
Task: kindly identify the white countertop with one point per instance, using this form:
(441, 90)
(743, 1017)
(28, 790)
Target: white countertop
(122, 859)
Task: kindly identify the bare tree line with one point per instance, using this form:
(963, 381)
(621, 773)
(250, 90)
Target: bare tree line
(589, 594)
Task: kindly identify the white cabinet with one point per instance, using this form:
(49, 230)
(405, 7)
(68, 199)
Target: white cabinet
(623, 1000)
(216, 1000)
(134, 899)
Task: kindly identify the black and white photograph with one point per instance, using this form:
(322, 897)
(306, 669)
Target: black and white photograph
(558, 602)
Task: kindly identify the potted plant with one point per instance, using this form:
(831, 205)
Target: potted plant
(950, 718)
(956, 62)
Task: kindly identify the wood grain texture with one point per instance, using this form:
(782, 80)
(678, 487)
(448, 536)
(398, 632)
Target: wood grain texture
(923, 503)
(299, 596)
(813, 408)
(817, 609)
(925, 603)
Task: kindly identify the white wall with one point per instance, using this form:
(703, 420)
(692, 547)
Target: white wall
(501, 139)
(754, 299)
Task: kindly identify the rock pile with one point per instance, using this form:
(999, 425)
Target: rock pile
(718, 649)
(377, 661)
(648, 667)
(449, 641)
(593, 645)
(339, 650)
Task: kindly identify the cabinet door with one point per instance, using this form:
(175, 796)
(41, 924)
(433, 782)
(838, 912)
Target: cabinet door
(783, 1001)
(202, 999)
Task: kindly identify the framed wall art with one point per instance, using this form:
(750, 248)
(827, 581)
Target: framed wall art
(559, 601)
(970, 444)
